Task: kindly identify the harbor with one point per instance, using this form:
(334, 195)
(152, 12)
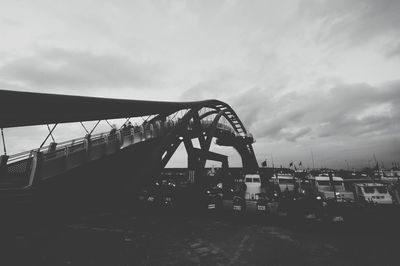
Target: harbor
(108, 198)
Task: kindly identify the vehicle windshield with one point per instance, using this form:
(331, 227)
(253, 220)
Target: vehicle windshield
(339, 186)
(286, 181)
(382, 190)
(369, 190)
(324, 183)
(328, 183)
(252, 180)
(338, 183)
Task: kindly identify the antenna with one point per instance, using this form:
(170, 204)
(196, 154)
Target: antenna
(348, 167)
(312, 157)
(272, 160)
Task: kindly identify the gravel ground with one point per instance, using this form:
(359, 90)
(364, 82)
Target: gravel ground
(124, 238)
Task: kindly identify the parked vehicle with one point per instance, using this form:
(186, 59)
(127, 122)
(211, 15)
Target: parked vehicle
(149, 196)
(213, 198)
(253, 186)
(267, 204)
(238, 204)
(262, 203)
(285, 181)
(373, 193)
(162, 194)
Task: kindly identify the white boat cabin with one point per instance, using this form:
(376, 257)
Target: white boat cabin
(327, 187)
(253, 186)
(374, 193)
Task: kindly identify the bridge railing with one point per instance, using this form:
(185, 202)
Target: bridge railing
(61, 145)
(206, 123)
(55, 159)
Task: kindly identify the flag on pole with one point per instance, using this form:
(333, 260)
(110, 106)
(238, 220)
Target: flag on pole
(300, 163)
(264, 163)
(291, 164)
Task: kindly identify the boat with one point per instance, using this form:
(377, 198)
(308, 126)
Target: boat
(375, 193)
(327, 187)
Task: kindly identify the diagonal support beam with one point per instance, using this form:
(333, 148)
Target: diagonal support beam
(209, 155)
(213, 128)
(51, 131)
(193, 159)
(198, 129)
(91, 131)
(126, 121)
(170, 151)
(210, 135)
(188, 145)
(84, 128)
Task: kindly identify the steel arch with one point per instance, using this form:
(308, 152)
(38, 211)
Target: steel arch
(179, 134)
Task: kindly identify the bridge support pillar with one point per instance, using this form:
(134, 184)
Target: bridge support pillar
(195, 162)
(227, 180)
(151, 169)
(192, 166)
(3, 165)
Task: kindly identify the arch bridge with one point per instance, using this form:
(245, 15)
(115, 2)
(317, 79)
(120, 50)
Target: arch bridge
(140, 150)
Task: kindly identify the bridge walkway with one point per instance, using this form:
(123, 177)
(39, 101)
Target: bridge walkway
(25, 170)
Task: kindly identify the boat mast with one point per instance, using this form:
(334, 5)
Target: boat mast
(312, 157)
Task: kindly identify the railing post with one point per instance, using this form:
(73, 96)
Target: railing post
(36, 167)
(141, 129)
(3, 165)
(132, 135)
(120, 139)
(151, 128)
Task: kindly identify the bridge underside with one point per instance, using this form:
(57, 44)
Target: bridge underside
(26, 108)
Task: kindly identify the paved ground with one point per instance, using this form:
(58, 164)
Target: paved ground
(125, 238)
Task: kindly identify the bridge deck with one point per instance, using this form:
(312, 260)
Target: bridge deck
(77, 152)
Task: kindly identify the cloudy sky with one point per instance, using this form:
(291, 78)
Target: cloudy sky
(304, 76)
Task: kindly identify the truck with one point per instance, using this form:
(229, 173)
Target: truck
(245, 198)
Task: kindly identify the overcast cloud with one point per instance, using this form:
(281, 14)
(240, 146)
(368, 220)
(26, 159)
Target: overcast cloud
(302, 75)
